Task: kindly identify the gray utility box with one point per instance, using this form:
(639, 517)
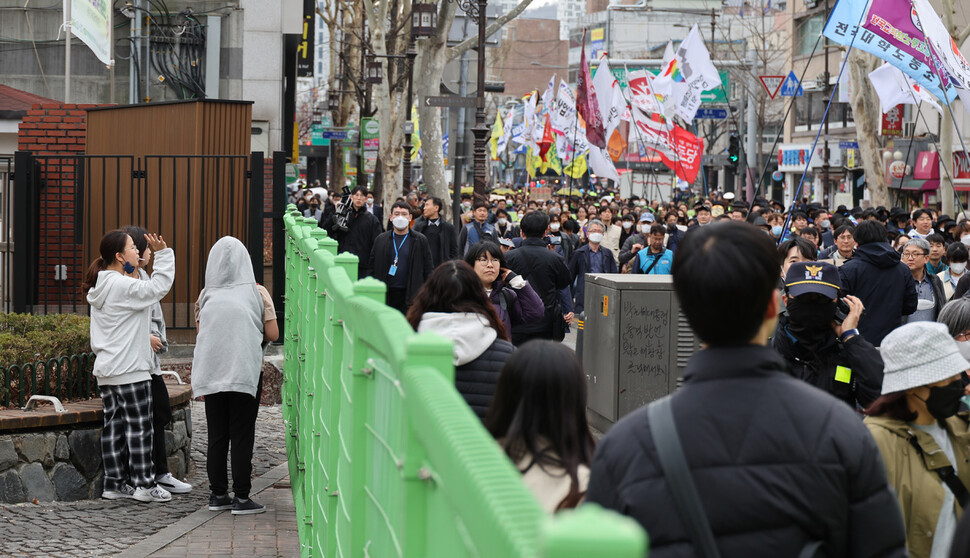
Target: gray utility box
(636, 343)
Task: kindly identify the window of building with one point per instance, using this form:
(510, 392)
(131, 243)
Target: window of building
(807, 31)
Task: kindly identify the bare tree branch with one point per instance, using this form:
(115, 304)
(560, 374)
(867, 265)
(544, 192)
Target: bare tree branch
(459, 49)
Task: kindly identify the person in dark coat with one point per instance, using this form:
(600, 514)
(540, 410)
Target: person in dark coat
(512, 296)
(453, 304)
(778, 465)
(362, 229)
(589, 258)
(880, 280)
(440, 233)
(831, 357)
(401, 258)
(546, 272)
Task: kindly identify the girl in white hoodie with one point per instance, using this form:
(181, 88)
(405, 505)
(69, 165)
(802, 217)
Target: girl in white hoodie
(120, 315)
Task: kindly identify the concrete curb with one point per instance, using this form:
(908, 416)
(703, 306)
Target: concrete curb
(196, 519)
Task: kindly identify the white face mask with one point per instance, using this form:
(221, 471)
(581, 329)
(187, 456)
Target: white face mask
(596, 237)
(508, 202)
(400, 222)
(644, 228)
(966, 240)
(554, 227)
(957, 268)
(502, 221)
(370, 201)
(627, 225)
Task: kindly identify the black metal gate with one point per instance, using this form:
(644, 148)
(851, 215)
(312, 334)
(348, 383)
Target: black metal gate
(6, 234)
(65, 204)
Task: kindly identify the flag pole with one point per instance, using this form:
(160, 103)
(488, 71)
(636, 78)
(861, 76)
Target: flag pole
(67, 52)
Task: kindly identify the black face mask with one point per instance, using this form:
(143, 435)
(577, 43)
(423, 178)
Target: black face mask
(810, 317)
(944, 401)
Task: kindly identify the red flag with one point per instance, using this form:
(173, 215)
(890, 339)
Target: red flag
(679, 149)
(586, 103)
(547, 138)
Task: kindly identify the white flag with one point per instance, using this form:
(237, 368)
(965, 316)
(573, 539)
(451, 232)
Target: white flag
(564, 110)
(894, 88)
(696, 71)
(601, 164)
(547, 96)
(664, 86)
(503, 141)
(530, 120)
(946, 53)
(642, 94)
(611, 103)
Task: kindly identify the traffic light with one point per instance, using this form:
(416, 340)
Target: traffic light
(734, 149)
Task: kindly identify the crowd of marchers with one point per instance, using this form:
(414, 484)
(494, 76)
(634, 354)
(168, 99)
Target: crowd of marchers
(825, 415)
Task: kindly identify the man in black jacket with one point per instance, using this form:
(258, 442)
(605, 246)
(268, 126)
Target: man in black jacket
(401, 258)
(362, 228)
(778, 465)
(589, 258)
(881, 281)
(440, 233)
(832, 357)
(546, 272)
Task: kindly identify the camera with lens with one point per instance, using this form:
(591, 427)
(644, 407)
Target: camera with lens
(341, 218)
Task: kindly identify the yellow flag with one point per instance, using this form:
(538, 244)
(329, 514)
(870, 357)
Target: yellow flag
(577, 168)
(497, 131)
(415, 135)
(552, 162)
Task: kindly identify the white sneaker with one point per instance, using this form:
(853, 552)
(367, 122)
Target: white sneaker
(172, 484)
(153, 494)
(126, 491)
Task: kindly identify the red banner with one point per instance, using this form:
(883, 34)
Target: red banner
(892, 122)
(586, 103)
(680, 150)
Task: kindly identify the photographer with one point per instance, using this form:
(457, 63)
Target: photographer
(354, 228)
(831, 356)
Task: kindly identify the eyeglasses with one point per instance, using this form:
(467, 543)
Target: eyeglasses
(488, 261)
(914, 255)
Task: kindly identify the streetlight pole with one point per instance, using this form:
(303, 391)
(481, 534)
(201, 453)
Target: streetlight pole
(408, 125)
(476, 9)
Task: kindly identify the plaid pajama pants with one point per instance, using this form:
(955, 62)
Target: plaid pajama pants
(126, 439)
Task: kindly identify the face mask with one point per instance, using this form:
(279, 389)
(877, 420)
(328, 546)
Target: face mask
(370, 201)
(810, 316)
(966, 240)
(958, 268)
(466, 205)
(596, 237)
(944, 401)
(644, 228)
(502, 221)
(400, 222)
(129, 269)
(554, 227)
(508, 202)
(826, 223)
(627, 225)
(776, 230)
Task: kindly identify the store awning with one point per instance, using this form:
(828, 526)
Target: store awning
(918, 185)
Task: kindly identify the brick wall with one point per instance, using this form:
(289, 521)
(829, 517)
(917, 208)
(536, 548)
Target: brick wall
(55, 134)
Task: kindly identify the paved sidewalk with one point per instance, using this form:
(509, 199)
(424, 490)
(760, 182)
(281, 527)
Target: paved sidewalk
(129, 528)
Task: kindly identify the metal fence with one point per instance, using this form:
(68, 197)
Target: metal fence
(6, 233)
(385, 457)
(68, 378)
(65, 204)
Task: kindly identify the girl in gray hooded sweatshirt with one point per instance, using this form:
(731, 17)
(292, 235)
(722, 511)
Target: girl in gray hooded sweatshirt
(120, 312)
(233, 322)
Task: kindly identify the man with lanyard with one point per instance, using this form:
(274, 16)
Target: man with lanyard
(655, 260)
(478, 229)
(401, 258)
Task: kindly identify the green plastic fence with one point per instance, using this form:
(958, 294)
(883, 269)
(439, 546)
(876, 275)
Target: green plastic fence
(385, 457)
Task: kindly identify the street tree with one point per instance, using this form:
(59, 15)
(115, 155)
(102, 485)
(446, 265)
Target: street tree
(867, 113)
(433, 55)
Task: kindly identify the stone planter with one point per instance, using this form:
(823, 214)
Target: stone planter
(60, 459)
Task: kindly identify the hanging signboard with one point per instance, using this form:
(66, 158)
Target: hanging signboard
(370, 138)
(772, 84)
(892, 122)
(304, 51)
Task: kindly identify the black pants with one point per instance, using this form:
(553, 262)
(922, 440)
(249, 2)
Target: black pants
(397, 298)
(519, 338)
(161, 416)
(231, 418)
